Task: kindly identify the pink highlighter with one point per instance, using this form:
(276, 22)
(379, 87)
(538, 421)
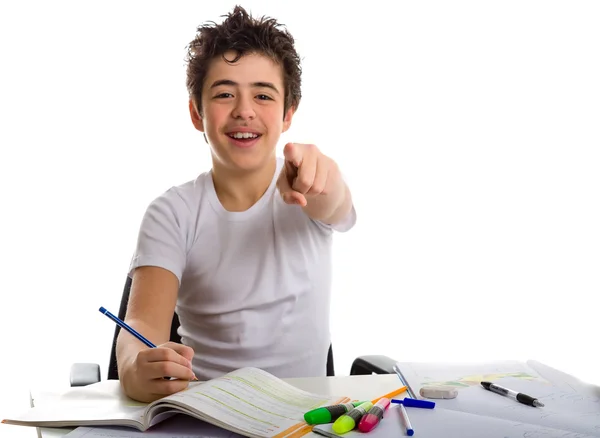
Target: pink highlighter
(371, 419)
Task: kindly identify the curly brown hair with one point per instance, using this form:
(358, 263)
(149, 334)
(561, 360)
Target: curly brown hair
(243, 34)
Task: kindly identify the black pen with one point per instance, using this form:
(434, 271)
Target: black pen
(521, 398)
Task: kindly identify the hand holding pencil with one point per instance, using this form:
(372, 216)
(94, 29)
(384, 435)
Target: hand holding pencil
(145, 372)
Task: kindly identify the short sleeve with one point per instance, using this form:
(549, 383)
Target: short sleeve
(162, 238)
(345, 224)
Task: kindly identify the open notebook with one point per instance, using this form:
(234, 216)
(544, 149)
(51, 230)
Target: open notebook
(572, 407)
(178, 426)
(448, 423)
(248, 401)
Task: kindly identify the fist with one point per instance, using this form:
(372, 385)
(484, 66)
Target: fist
(306, 174)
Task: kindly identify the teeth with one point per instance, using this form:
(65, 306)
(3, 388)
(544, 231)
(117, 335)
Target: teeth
(243, 135)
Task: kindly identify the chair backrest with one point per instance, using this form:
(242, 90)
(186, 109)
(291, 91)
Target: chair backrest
(113, 373)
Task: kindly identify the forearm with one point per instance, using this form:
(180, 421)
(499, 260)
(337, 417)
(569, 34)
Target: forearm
(331, 207)
(149, 311)
(128, 346)
(314, 181)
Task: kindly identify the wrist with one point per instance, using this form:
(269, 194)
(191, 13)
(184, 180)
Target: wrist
(335, 205)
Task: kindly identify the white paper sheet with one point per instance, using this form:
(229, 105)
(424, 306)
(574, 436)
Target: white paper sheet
(439, 422)
(569, 405)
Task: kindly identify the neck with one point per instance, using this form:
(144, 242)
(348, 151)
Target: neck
(240, 190)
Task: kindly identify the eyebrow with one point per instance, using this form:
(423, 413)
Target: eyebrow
(253, 84)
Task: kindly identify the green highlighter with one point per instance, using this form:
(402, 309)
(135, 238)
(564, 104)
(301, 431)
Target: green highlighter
(348, 421)
(328, 414)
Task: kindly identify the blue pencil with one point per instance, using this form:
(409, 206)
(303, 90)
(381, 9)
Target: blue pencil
(124, 326)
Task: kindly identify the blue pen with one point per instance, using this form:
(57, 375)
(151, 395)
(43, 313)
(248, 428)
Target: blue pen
(409, 429)
(414, 403)
(126, 327)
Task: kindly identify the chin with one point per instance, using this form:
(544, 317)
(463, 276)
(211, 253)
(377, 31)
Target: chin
(249, 162)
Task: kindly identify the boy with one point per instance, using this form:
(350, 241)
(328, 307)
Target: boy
(242, 253)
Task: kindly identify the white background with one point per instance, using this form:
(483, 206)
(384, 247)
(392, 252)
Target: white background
(469, 132)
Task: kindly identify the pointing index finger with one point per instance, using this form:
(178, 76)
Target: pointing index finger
(293, 153)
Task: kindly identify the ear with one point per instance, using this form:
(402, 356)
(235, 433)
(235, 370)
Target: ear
(197, 120)
(287, 118)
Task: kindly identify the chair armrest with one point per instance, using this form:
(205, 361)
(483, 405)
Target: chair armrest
(378, 364)
(83, 374)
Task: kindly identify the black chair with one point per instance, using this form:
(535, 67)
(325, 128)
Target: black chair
(83, 374)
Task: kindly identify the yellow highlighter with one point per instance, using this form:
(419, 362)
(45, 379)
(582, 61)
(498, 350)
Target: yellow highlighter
(348, 421)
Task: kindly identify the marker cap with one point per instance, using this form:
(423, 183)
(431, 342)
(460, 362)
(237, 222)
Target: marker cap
(348, 421)
(327, 414)
(368, 422)
(318, 416)
(343, 424)
(414, 403)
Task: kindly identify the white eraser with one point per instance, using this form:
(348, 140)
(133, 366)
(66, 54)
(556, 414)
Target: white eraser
(438, 392)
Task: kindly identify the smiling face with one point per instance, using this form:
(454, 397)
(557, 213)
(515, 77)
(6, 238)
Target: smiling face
(242, 111)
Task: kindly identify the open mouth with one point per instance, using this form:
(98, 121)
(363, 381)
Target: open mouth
(243, 136)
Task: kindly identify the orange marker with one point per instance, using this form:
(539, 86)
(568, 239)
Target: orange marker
(390, 395)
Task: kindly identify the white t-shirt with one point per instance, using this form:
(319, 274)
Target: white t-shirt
(254, 285)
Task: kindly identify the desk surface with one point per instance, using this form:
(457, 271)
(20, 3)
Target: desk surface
(357, 387)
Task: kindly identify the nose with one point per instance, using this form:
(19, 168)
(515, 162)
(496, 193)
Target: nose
(244, 109)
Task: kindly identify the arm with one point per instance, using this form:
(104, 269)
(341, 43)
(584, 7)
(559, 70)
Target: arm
(150, 311)
(150, 308)
(312, 180)
(330, 208)
(156, 269)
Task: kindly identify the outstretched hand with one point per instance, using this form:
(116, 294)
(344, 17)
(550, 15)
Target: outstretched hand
(307, 173)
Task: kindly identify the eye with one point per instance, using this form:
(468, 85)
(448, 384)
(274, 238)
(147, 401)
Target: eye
(223, 95)
(263, 97)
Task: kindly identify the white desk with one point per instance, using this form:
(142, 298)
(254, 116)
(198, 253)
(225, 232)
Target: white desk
(573, 407)
(357, 387)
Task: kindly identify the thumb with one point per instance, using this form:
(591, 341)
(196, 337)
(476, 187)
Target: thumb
(294, 198)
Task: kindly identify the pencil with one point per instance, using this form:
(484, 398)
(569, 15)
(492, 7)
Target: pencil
(124, 326)
(390, 395)
(131, 330)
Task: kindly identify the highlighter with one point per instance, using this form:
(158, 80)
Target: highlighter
(371, 419)
(328, 414)
(348, 421)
